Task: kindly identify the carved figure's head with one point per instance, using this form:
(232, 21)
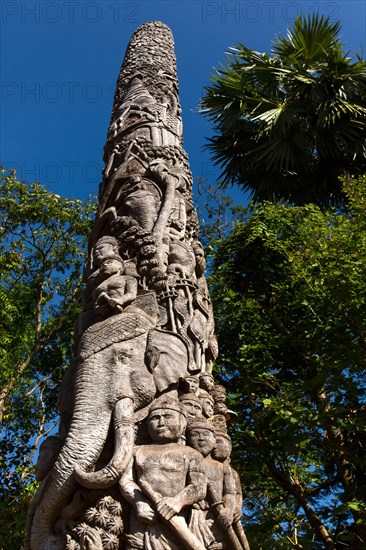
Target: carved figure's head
(219, 393)
(110, 266)
(218, 421)
(207, 403)
(167, 420)
(207, 381)
(201, 436)
(106, 247)
(190, 384)
(222, 449)
(192, 405)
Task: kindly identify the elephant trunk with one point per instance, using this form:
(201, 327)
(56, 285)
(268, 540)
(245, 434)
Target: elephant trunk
(124, 430)
(84, 445)
(61, 483)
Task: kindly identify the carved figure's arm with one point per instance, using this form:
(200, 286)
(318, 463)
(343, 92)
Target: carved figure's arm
(95, 279)
(133, 494)
(130, 291)
(125, 294)
(100, 299)
(229, 493)
(225, 506)
(238, 495)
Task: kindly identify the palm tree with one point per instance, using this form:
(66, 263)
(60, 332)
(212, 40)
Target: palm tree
(287, 125)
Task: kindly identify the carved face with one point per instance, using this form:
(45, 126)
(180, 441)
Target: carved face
(219, 422)
(105, 250)
(166, 425)
(193, 408)
(111, 266)
(219, 393)
(193, 384)
(222, 449)
(207, 406)
(190, 384)
(207, 382)
(202, 440)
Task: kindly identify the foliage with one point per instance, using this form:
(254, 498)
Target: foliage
(287, 125)
(289, 292)
(42, 246)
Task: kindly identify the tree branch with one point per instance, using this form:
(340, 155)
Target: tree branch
(294, 488)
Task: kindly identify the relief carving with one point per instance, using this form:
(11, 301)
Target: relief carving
(142, 458)
(162, 481)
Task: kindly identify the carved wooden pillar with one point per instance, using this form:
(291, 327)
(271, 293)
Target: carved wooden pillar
(144, 459)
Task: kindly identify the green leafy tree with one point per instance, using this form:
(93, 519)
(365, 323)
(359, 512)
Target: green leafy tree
(289, 292)
(287, 125)
(43, 247)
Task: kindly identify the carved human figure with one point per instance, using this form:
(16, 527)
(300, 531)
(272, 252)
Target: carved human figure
(212, 519)
(219, 393)
(202, 328)
(199, 328)
(163, 479)
(111, 288)
(116, 291)
(170, 180)
(179, 306)
(105, 248)
(178, 218)
(221, 452)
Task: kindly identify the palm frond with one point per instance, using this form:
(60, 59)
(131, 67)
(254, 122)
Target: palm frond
(309, 41)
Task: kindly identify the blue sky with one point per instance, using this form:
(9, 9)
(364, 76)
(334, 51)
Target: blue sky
(60, 60)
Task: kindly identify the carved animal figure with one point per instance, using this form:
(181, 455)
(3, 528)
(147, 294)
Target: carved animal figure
(110, 384)
(142, 203)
